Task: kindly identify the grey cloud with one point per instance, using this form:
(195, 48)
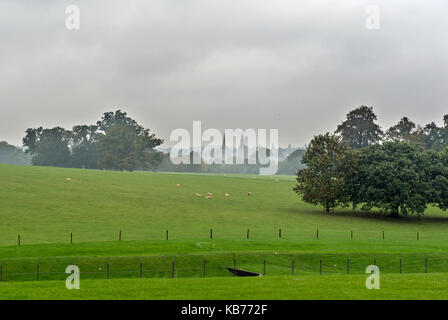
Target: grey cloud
(294, 65)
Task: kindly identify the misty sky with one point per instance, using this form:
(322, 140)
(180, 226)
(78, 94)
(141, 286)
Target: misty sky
(298, 66)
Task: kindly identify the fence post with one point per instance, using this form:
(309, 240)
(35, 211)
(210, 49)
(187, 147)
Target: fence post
(108, 271)
(247, 235)
(141, 270)
(1, 272)
(71, 237)
(205, 263)
(173, 266)
(37, 270)
(211, 233)
(119, 236)
(280, 233)
(320, 266)
(426, 265)
(292, 267)
(166, 234)
(418, 236)
(351, 234)
(400, 265)
(348, 265)
(383, 234)
(264, 267)
(317, 234)
(18, 239)
(374, 261)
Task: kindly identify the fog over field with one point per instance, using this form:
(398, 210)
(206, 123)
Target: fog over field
(294, 65)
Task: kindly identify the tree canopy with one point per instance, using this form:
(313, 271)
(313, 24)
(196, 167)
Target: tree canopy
(329, 170)
(360, 129)
(115, 142)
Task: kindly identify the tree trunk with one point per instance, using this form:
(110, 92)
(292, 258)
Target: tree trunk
(394, 213)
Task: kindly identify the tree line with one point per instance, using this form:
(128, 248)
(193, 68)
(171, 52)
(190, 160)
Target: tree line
(116, 142)
(400, 171)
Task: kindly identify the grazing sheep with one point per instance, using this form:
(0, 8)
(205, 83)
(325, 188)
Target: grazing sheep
(209, 197)
(177, 185)
(276, 181)
(227, 195)
(209, 194)
(249, 194)
(198, 195)
(68, 179)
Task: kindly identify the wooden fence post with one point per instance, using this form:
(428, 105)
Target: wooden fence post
(320, 266)
(119, 236)
(18, 239)
(1, 273)
(141, 270)
(400, 265)
(264, 267)
(211, 233)
(418, 236)
(173, 267)
(426, 265)
(37, 271)
(71, 237)
(108, 271)
(383, 234)
(166, 234)
(317, 234)
(292, 267)
(351, 234)
(247, 235)
(280, 233)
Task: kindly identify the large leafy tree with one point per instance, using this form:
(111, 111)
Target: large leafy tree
(400, 177)
(48, 147)
(360, 129)
(123, 144)
(330, 169)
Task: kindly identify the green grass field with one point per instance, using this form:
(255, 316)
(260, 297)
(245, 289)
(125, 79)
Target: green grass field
(44, 208)
(402, 287)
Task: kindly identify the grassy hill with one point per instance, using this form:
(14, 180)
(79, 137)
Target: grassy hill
(44, 207)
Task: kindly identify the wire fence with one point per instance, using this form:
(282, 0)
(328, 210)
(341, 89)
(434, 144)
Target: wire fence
(215, 265)
(249, 233)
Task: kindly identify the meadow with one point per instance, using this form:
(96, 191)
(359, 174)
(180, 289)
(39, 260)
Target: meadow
(289, 240)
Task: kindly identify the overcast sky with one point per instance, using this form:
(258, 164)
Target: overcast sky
(298, 66)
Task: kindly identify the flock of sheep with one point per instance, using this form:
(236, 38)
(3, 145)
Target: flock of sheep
(210, 195)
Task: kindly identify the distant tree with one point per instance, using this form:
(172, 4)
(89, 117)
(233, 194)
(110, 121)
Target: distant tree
(330, 169)
(292, 163)
(360, 129)
(400, 177)
(85, 147)
(123, 144)
(48, 147)
(12, 155)
(402, 131)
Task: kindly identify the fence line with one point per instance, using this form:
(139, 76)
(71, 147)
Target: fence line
(350, 235)
(215, 265)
